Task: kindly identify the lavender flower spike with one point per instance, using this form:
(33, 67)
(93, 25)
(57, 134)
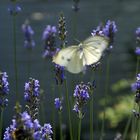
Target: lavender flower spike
(137, 51)
(14, 10)
(108, 30)
(59, 74)
(136, 87)
(46, 132)
(31, 96)
(28, 34)
(81, 95)
(138, 32)
(21, 127)
(4, 89)
(48, 37)
(58, 104)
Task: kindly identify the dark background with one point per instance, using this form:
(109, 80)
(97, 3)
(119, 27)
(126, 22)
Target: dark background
(79, 25)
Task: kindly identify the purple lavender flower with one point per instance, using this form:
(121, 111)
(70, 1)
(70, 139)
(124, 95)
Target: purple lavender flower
(36, 124)
(50, 31)
(137, 51)
(46, 132)
(24, 127)
(76, 108)
(48, 37)
(4, 89)
(31, 96)
(59, 74)
(138, 82)
(108, 31)
(98, 31)
(81, 92)
(28, 33)
(138, 32)
(8, 133)
(136, 87)
(14, 10)
(133, 87)
(58, 104)
(21, 127)
(37, 135)
(26, 119)
(81, 95)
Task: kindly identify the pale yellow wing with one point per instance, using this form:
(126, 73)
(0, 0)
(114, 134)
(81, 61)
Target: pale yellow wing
(70, 58)
(64, 55)
(75, 64)
(75, 58)
(93, 48)
(98, 42)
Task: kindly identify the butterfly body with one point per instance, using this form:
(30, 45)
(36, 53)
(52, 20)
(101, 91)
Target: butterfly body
(75, 58)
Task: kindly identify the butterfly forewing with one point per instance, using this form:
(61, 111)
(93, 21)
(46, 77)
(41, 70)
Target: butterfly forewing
(97, 42)
(64, 55)
(93, 48)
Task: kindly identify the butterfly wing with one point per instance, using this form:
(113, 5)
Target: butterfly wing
(75, 58)
(62, 57)
(98, 42)
(93, 48)
(70, 59)
(75, 65)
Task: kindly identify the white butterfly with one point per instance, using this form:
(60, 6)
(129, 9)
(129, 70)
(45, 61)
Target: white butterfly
(75, 58)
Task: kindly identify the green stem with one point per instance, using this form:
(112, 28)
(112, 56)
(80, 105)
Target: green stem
(60, 124)
(91, 108)
(106, 96)
(43, 87)
(75, 25)
(29, 63)
(42, 111)
(133, 125)
(79, 128)
(69, 112)
(53, 115)
(15, 56)
(134, 121)
(1, 123)
(91, 117)
(103, 126)
(138, 128)
(60, 115)
(127, 127)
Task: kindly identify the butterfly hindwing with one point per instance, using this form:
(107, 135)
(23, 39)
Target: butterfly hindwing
(91, 56)
(76, 63)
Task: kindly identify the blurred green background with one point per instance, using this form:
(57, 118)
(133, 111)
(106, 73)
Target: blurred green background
(79, 25)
